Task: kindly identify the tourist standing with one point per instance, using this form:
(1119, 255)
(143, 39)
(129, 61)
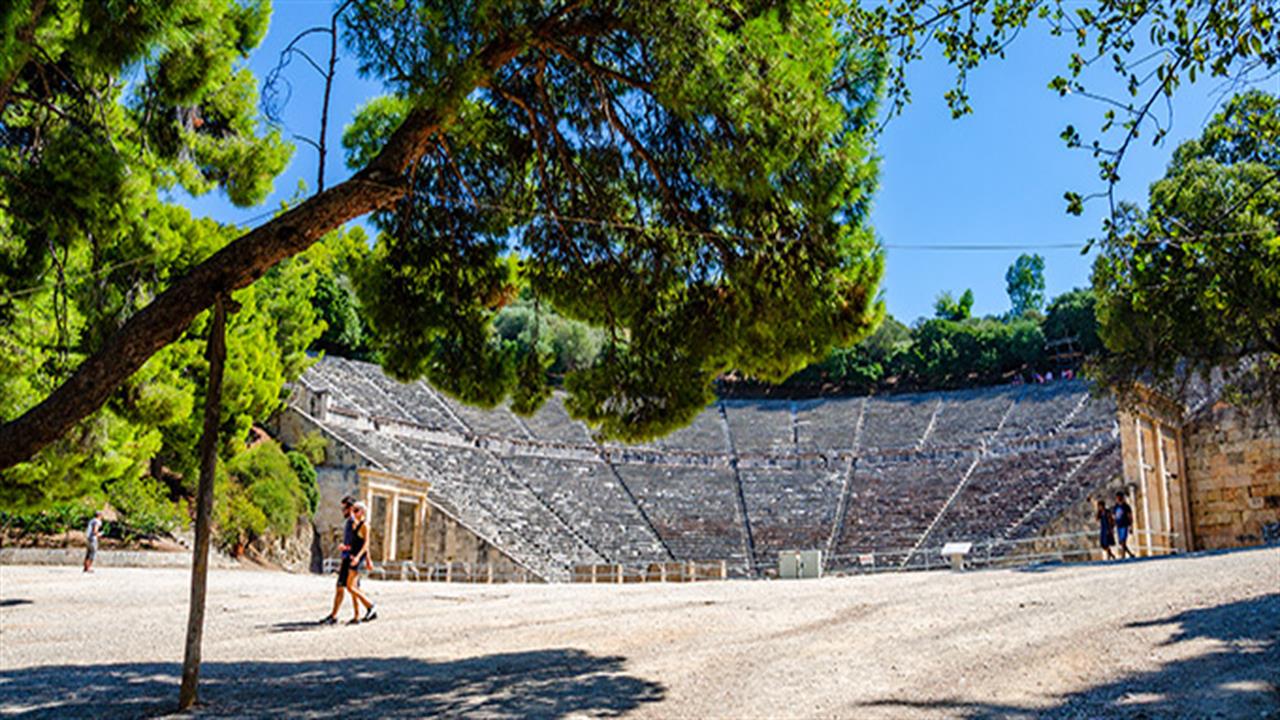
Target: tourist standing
(344, 568)
(359, 554)
(91, 533)
(1106, 538)
(1124, 522)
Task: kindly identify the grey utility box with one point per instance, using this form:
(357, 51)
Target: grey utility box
(798, 564)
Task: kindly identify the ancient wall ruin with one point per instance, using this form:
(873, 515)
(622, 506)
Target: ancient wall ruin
(1233, 474)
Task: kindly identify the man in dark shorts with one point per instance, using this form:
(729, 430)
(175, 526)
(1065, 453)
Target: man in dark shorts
(1124, 522)
(344, 569)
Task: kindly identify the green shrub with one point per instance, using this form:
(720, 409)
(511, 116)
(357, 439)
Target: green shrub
(279, 500)
(313, 445)
(144, 507)
(259, 491)
(55, 519)
(306, 473)
(237, 518)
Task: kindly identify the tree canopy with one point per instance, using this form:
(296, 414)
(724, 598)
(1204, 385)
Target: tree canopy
(1191, 283)
(949, 307)
(1024, 281)
(695, 182)
(696, 159)
(104, 112)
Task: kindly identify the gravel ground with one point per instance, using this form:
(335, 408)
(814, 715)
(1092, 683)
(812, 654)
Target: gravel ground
(1195, 636)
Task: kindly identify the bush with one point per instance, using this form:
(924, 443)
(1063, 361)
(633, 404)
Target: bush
(144, 507)
(950, 354)
(238, 519)
(306, 473)
(312, 445)
(279, 500)
(259, 491)
(1074, 315)
(55, 519)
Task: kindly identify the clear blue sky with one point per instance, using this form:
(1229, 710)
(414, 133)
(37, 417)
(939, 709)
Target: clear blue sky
(994, 177)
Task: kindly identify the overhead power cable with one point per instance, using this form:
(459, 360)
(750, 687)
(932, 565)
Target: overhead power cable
(634, 227)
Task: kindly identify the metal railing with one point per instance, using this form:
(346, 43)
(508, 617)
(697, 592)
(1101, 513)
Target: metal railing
(669, 571)
(452, 572)
(999, 552)
(992, 553)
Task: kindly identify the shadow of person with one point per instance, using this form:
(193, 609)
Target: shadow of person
(14, 602)
(543, 683)
(294, 626)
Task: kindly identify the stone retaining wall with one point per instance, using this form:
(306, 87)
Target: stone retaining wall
(106, 558)
(1233, 472)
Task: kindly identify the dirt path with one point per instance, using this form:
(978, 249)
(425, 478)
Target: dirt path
(1194, 636)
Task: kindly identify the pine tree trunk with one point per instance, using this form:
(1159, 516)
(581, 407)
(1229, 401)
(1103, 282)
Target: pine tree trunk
(217, 354)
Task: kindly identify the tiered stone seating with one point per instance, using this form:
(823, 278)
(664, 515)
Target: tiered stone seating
(1097, 413)
(1104, 465)
(1041, 408)
(968, 417)
(589, 497)
(704, 434)
(472, 481)
(1002, 489)
(893, 500)
(422, 404)
(693, 509)
(827, 424)
(322, 376)
(896, 421)
(498, 422)
(371, 399)
(553, 506)
(790, 509)
(760, 426)
(552, 424)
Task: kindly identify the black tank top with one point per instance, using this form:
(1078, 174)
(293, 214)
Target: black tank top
(357, 542)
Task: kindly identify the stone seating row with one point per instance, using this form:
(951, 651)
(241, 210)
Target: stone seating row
(1000, 491)
(589, 496)
(826, 424)
(954, 419)
(790, 509)
(760, 425)
(424, 405)
(1041, 409)
(555, 512)
(896, 422)
(1095, 472)
(968, 417)
(694, 510)
(552, 424)
(475, 485)
(356, 389)
(890, 504)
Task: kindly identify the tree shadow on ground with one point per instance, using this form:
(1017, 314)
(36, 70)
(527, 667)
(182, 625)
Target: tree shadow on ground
(1241, 679)
(543, 683)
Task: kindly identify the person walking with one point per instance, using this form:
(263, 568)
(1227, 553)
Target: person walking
(1124, 522)
(344, 568)
(92, 532)
(359, 554)
(1106, 538)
